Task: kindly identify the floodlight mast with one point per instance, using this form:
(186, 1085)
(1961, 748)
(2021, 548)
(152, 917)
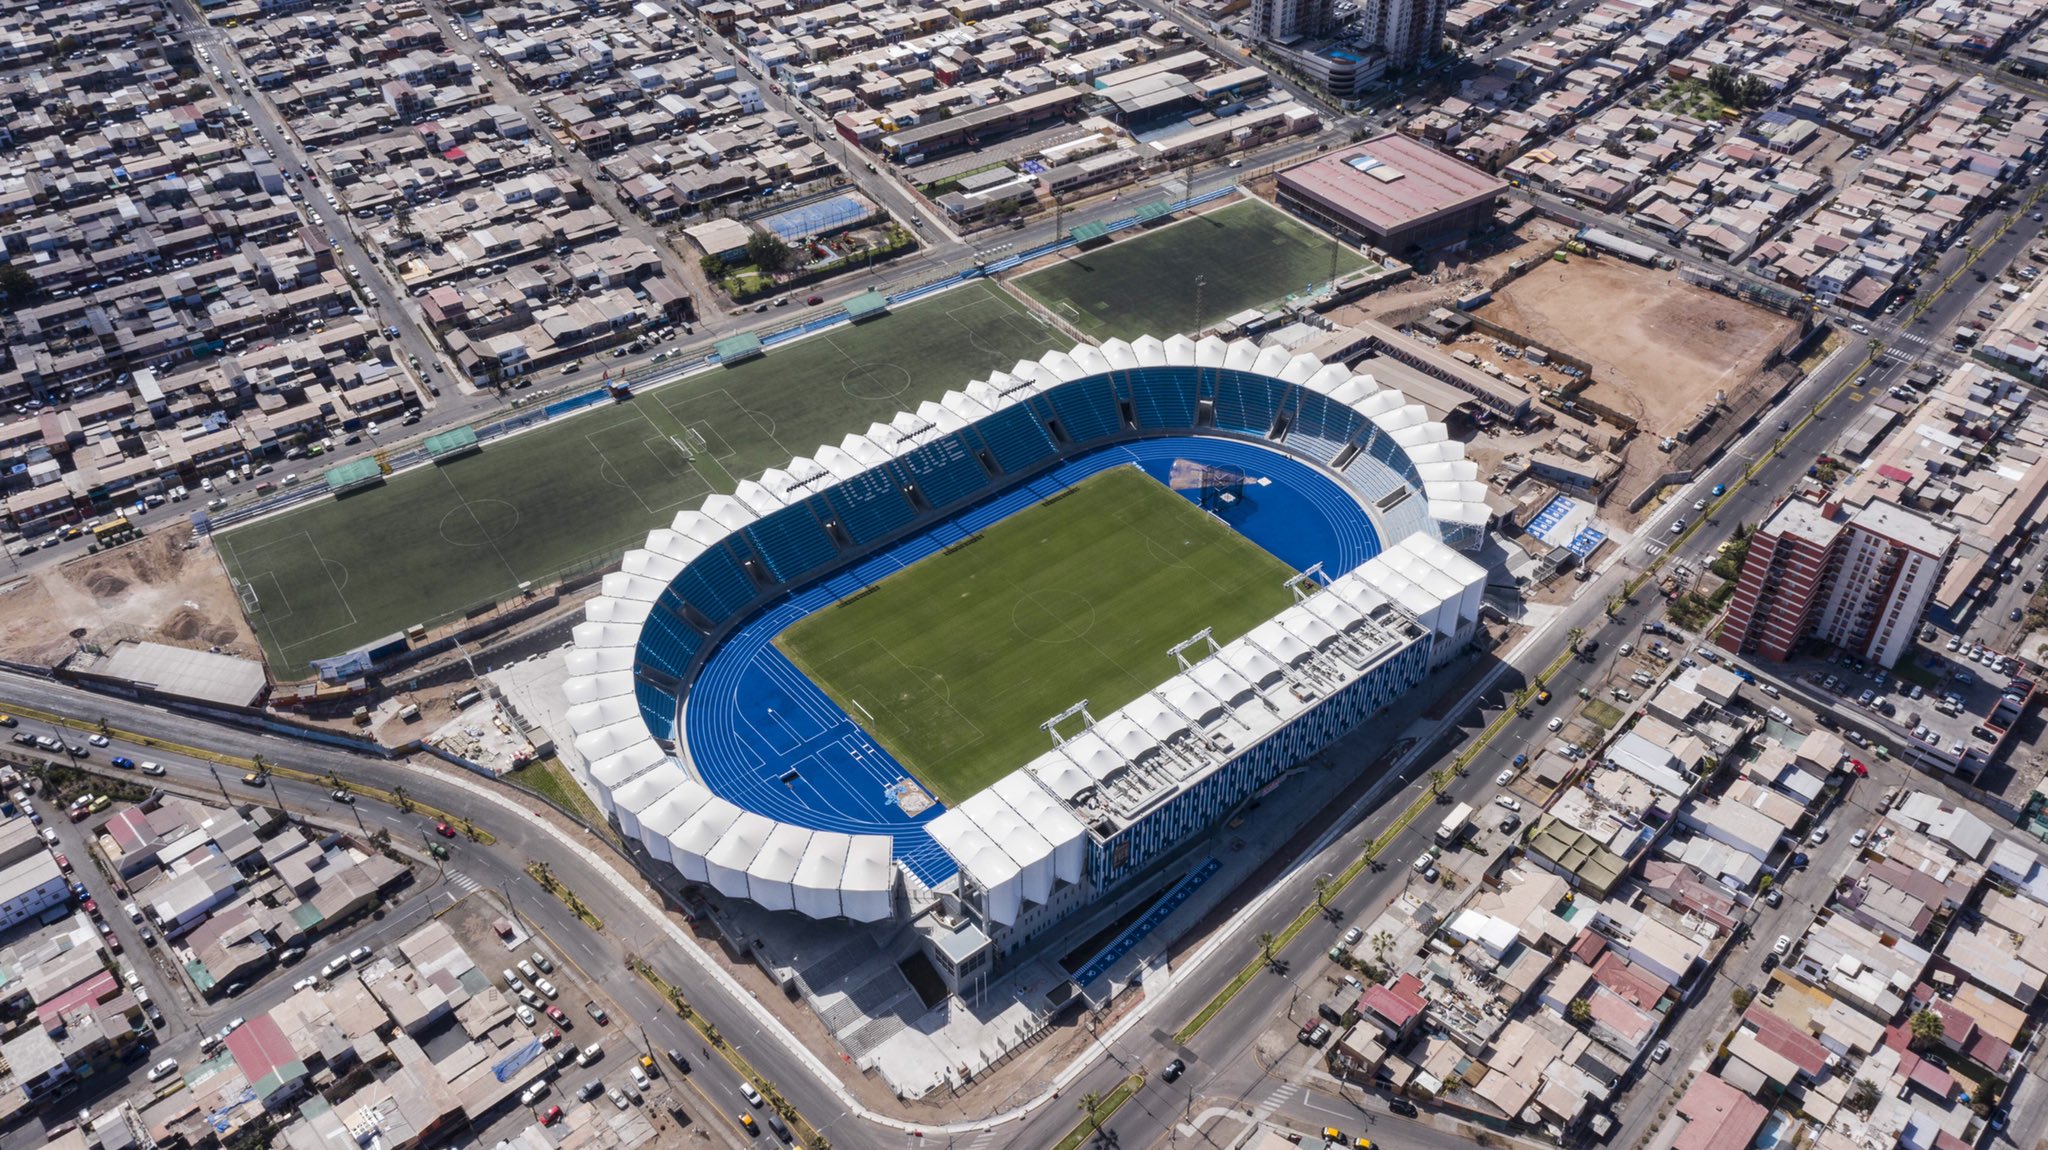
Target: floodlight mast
(1306, 583)
(1052, 726)
(1179, 650)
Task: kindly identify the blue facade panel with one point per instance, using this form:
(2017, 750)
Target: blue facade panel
(667, 642)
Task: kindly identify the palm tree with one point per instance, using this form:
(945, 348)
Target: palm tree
(1580, 1010)
(1088, 1103)
(1573, 636)
(1322, 891)
(1266, 941)
(404, 798)
(1925, 1026)
(1382, 942)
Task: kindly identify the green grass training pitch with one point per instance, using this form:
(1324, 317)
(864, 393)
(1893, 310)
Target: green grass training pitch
(438, 540)
(954, 662)
(1248, 255)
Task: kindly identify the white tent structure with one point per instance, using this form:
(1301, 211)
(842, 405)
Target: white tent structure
(1021, 838)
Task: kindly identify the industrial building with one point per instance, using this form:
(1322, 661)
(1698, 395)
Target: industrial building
(1398, 194)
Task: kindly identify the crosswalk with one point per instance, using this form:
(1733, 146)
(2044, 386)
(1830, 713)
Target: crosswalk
(1279, 1096)
(463, 882)
(983, 1140)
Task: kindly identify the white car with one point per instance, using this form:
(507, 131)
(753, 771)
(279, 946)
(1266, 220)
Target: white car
(527, 1016)
(306, 983)
(1504, 801)
(1504, 778)
(97, 740)
(1555, 723)
(545, 987)
(1856, 839)
(1817, 835)
(163, 1070)
(1783, 944)
(752, 1095)
(1678, 528)
(152, 768)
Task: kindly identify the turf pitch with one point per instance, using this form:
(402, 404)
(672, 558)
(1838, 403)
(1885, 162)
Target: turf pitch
(438, 540)
(954, 663)
(1248, 255)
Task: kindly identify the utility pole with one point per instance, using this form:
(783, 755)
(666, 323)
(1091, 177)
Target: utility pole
(1200, 282)
(215, 771)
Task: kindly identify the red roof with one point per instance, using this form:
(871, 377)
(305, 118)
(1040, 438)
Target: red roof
(1895, 474)
(1629, 982)
(1588, 946)
(91, 992)
(1717, 1117)
(1788, 1041)
(1398, 1003)
(260, 1047)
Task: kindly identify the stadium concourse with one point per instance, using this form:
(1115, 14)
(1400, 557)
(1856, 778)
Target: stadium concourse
(690, 728)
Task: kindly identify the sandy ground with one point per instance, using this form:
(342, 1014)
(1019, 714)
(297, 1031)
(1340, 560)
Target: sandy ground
(1458, 273)
(165, 589)
(1660, 348)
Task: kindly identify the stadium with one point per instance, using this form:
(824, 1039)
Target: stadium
(1006, 652)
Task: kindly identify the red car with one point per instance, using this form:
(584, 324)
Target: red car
(1862, 772)
(63, 864)
(553, 1116)
(814, 301)
(551, 1037)
(560, 1016)
(444, 830)
(92, 908)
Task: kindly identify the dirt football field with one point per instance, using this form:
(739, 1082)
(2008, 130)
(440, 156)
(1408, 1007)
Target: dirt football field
(1660, 347)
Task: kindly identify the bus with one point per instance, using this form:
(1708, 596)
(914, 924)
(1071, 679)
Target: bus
(1455, 824)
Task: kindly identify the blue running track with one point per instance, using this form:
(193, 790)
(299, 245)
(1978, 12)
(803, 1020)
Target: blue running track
(766, 738)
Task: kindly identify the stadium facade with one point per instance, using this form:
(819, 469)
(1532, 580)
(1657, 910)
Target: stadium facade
(1128, 789)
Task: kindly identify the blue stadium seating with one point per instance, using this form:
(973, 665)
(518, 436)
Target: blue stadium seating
(1247, 403)
(715, 584)
(1321, 428)
(870, 506)
(667, 642)
(1016, 439)
(1086, 408)
(945, 470)
(1164, 398)
(792, 543)
(657, 709)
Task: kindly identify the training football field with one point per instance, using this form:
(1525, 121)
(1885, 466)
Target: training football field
(438, 541)
(1246, 255)
(954, 663)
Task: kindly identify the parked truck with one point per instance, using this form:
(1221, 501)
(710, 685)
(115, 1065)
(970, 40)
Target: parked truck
(1455, 824)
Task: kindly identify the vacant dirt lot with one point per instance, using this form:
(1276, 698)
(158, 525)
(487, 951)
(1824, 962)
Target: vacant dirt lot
(164, 589)
(1660, 348)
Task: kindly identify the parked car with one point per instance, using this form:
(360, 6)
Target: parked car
(597, 1013)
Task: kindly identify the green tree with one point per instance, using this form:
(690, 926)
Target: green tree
(1266, 941)
(1763, 883)
(1580, 1010)
(1322, 891)
(17, 287)
(1862, 1096)
(1741, 997)
(403, 797)
(1925, 1026)
(712, 265)
(767, 252)
(1088, 1103)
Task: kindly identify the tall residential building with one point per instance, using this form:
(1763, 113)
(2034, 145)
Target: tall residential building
(1406, 30)
(1858, 581)
(1288, 20)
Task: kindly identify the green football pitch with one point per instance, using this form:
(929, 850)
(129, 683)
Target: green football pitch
(956, 661)
(438, 540)
(1247, 255)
